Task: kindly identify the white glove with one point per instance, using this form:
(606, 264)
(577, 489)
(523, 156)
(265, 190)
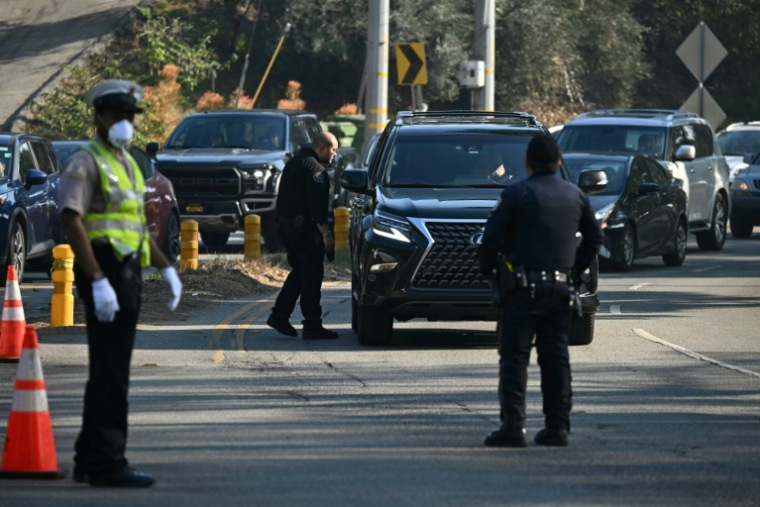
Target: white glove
(106, 302)
(175, 286)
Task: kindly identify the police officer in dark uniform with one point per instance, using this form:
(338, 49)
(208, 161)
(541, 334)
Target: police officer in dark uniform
(531, 236)
(302, 206)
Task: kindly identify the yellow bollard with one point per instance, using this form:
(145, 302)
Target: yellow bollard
(188, 250)
(252, 237)
(341, 228)
(62, 311)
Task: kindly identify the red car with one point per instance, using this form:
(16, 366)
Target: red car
(160, 204)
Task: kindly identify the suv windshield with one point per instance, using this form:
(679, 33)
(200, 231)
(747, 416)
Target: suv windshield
(739, 142)
(648, 141)
(234, 131)
(467, 159)
(6, 162)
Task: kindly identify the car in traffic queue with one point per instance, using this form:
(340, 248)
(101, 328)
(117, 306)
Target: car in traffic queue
(642, 211)
(745, 196)
(161, 209)
(739, 142)
(29, 186)
(682, 142)
(418, 215)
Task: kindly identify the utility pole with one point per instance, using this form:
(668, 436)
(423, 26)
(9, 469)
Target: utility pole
(376, 105)
(484, 49)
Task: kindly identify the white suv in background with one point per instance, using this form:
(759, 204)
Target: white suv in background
(681, 141)
(738, 143)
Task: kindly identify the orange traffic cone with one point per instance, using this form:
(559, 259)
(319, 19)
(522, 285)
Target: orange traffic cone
(14, 322)
(29, 447)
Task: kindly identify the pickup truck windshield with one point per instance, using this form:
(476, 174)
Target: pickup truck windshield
(648, 141)
(478, 159)
(250, 132)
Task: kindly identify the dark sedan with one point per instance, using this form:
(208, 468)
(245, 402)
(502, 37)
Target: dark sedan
(745, 198)
(161, 208)
(642, 211)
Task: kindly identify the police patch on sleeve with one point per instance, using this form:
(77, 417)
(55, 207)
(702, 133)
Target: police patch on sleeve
(319, 177)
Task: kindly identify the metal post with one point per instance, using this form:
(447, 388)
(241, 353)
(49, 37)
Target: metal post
(701, 68)
(484, 49)
(376, 111)
(247, 56)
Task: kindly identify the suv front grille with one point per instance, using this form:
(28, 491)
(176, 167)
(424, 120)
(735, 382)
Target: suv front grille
(452, 262)
(204, 182)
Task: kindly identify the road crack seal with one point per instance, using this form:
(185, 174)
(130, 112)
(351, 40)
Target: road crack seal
(349, 375)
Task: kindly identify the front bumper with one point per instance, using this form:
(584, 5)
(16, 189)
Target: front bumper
(393, 291)
(746, 207)
(214, 215)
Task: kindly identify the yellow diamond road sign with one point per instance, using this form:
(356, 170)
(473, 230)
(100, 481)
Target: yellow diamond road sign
(410, 63)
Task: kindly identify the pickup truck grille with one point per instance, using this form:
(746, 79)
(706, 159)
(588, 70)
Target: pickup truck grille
(207, 182)
(452, 261)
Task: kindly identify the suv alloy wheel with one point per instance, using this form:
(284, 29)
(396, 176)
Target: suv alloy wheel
(715, 236)
(375, 326)
(678, 256)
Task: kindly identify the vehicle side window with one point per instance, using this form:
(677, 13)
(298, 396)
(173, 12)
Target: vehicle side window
(53, 157)
(312, 128)
(379, 154)
(658, 173)
(43, 159)
(297, 135)
(146, 167)
(639, 174)
(25, 161)
(705, 142)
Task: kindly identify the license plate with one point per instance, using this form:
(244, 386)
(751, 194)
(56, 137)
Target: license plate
(194, 208)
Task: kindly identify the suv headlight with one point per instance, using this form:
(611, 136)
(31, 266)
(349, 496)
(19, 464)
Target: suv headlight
(603, 214)
(739, 187)
(392, 227)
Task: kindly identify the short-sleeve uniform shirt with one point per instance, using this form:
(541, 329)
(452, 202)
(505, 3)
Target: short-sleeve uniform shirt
(81, 190)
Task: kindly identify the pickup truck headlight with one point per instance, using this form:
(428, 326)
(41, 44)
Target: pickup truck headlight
(392, 227)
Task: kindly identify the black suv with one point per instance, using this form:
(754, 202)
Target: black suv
(418, 218)
(225, 165)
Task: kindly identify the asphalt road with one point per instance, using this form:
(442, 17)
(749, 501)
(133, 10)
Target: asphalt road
(225, 411)
(39, 37)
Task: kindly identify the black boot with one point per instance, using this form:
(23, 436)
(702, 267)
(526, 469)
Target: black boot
(282, 326)
(507, 437)
(125, 478)
(317, 332)
(553, 437)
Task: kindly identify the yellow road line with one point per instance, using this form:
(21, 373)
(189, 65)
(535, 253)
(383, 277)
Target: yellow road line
(216, 336)
(239, 340)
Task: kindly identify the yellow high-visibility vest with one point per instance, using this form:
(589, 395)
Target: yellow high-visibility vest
(123, 223)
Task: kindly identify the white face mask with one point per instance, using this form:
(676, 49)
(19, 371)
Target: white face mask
(120, 133)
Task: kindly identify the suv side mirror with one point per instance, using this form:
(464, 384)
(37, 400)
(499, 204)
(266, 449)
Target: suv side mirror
(355, 180)
(648, 188)
(35, 177)
(685, 152)
(151, 149)
(593, 181)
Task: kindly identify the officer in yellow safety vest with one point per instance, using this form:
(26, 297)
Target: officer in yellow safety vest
(103, 217)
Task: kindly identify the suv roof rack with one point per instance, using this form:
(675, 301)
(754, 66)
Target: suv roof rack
(668, 114)
(410, 116)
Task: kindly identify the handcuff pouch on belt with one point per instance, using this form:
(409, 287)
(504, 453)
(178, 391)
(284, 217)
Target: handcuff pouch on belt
(508, 276)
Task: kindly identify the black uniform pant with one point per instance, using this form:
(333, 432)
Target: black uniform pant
(548, 316)
(102, 441)
(306, 257)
